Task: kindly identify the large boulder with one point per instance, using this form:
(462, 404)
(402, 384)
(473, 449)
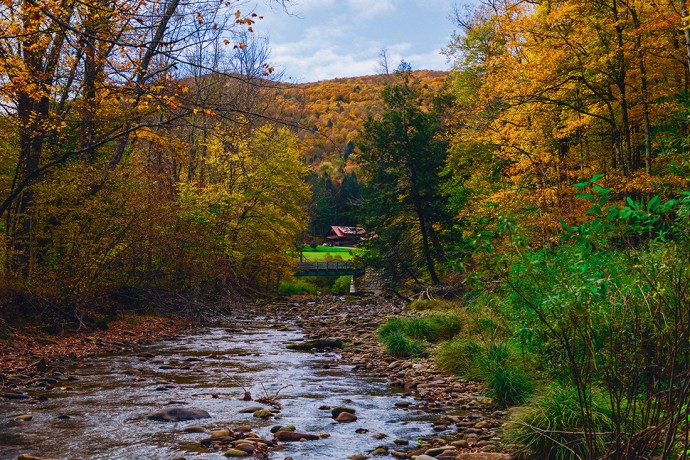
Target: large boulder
(178, 414)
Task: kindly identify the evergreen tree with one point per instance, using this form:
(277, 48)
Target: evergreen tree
(402, 156)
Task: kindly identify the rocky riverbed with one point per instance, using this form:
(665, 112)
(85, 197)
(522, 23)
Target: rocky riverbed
(237, 390)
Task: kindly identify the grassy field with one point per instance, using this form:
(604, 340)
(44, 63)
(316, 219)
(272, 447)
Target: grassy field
(327, 254)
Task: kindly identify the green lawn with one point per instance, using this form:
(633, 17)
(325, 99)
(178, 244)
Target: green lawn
(327, 254)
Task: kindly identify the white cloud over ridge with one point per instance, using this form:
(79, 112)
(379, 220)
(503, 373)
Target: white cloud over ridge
(327, 39)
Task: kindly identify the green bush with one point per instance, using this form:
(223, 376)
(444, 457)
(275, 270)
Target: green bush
(551, 426)
(457, 356)
(341, 286)
(297, 287)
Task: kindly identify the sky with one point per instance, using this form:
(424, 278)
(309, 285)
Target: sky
(325, 39)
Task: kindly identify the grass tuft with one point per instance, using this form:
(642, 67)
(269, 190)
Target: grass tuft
(551, 426)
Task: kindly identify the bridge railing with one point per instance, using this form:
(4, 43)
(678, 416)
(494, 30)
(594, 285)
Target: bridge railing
(325, 266)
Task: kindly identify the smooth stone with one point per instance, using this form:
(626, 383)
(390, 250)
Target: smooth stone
(236, 453)
(425, 457)
(250, 410)
(401, 442)
(246, 447)
(340, 409)
(220, 434)
(434, 451)
(24, 418)
(319, 344)
(358, 457)
(178, 414)
(383, 450)
(292, 436)
(346, 417)
(194, 429)
(263, 413)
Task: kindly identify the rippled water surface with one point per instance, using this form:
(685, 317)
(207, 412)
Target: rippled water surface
(107, 402)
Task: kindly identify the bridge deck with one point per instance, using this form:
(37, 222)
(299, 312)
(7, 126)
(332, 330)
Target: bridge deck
(328, 269)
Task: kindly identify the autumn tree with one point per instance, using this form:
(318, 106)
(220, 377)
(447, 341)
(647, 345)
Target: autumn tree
(561, 90)
(80, 81)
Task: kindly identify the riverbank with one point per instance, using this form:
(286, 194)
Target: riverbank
(32, 353)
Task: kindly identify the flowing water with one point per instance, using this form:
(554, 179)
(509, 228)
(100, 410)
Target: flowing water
(101, 414)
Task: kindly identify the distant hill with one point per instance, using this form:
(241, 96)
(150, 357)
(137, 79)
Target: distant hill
(329, 114)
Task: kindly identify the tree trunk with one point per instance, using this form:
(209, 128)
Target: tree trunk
(686, 28)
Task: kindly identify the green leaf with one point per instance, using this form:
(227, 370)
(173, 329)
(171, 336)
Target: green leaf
(654, 203)
(595, 178)
(586, 196)
(595, 209)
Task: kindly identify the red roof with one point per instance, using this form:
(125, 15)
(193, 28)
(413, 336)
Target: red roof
(343, 232)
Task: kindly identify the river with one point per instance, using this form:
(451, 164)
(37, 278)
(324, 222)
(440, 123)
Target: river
(97, 410)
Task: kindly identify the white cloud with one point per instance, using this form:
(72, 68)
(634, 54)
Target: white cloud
(370, 9)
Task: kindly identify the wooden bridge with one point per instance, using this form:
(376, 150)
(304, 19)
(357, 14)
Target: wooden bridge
(327, 269)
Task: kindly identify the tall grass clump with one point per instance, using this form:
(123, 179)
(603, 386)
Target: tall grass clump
(403, 335)
(510, 383)
(458, 355)
(552, 426)
(401, 346)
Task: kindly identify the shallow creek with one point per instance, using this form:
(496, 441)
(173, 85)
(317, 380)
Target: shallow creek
(100, 413)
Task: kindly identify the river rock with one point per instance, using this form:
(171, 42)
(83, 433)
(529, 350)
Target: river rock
(246, 447)
(236, 453)
(194, 429)
(178, 414)
(215, 434)
(346, 417)
(319, 344)
(340, 409)
(250, 410)
(436, 451)
(263, 413)
(291, 436)
(24, 418)
(425, 457)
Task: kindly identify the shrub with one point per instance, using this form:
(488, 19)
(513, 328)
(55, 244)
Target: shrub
(297, 287)
(341, 286)
(552, 427)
